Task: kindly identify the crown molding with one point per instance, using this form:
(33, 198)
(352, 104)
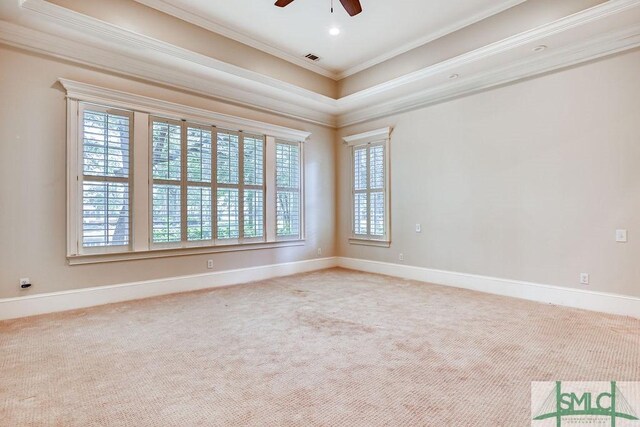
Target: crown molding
(84, 40)
(118, 99)
(219, 28)
(382, 134)
(605, 45)
(225, 31)
(147, 57)
(570, 22)
(427, 38)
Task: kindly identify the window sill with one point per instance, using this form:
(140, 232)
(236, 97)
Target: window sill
(176, 252)
(370, 242)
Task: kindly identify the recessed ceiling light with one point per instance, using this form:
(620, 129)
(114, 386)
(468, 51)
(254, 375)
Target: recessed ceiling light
(334, 31)
(539, 48)
(454, 76)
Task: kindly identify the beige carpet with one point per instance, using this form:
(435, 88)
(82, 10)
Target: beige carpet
(330, 348)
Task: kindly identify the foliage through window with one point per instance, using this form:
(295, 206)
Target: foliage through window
(195, 185)
(370, 187)
(287, 189)
(106, 177)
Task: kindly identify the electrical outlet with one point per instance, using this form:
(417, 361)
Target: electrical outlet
(319, 251)
(209, 263)
(418, 228)
(25, 283)
(621, 236)
(401, 257)
(584, 278)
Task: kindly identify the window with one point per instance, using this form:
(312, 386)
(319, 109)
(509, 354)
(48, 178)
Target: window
(182, 202)
(287, 190)
(196, 185)
(370, 182)
(106, 178)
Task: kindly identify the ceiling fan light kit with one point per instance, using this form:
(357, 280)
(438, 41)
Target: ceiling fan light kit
(352, 7)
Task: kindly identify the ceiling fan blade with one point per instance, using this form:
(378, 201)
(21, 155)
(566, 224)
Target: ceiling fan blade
(283, 3)
(352, 6)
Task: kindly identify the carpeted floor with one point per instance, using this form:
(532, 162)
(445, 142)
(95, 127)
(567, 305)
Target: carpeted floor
(329, 348)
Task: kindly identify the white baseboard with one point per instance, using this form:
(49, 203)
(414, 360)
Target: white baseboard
(11, 308)
(570, 297)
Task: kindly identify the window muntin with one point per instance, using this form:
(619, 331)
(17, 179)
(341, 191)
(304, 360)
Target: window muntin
(369, 191)
(105, 136)
(184, 209)
(288, 203)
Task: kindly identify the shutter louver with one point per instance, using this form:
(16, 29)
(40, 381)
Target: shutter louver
(228, 172)
(199, 168)
(253, 197)
(287, 190)
(369, 191)
(167, 175)
(106, 178)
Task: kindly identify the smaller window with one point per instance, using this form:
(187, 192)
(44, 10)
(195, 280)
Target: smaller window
(288, 194)
(370, 192)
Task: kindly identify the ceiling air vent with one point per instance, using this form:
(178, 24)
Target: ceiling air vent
(312, 57)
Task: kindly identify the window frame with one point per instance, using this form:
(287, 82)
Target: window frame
(367, 140)
(142, 111)
(300, 191)
(81, 178)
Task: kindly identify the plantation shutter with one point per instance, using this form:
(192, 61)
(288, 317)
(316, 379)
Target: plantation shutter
(369, 191)
(288, 179)
(228, 191)
(106, 177)
(166, 172)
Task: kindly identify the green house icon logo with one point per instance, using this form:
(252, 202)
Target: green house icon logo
(608, 403)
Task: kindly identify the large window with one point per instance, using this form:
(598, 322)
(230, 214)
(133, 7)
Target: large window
(370, 187)
(139, 183)
(190, 165)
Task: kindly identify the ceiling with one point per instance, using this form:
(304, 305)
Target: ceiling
(383, 30)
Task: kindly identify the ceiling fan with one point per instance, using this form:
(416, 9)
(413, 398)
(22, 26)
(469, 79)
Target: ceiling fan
(352, 7)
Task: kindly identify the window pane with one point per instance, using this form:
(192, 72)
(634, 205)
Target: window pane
(199, 220)
(253, 213)
(288, 213)
(253, 160)
(377, 214)
(198, 155)
(105, 144)
(376, 165)
(228, 224)
(287, 166)
(166, 151)
(228, 158)
(166, 215)
(105, 214)
(360, 213)
(360, 168)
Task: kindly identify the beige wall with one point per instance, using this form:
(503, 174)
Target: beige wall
(526, 182)
(32, 183)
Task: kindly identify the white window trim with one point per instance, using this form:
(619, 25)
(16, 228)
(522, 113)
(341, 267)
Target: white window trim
(143, 108)
(375, 137)
(301, 232)
(80, 179)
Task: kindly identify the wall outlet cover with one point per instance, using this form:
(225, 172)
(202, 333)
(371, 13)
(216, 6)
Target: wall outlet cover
(584, 278)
